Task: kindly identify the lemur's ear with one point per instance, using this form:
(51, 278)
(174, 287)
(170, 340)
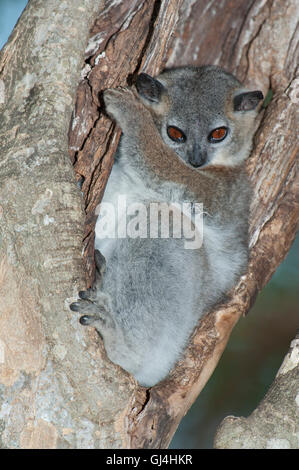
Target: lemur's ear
(149, 88)
(247, 101)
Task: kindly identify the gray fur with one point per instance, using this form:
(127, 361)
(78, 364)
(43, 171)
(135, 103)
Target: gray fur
(154, 291)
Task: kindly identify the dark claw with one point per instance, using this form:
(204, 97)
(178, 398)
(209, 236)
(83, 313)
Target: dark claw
(83, 294)
(87, 319)
(75, 306)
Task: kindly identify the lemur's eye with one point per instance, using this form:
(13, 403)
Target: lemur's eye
(217, 135)
(174, 133)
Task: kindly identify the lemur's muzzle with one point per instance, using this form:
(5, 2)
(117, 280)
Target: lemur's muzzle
(197, 157)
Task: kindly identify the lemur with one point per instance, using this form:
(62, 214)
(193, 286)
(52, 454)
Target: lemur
(185, 137)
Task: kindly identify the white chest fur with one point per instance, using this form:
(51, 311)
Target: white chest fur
(126, 189)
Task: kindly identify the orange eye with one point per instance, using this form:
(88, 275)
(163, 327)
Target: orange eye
(217, 135)
(175, 134)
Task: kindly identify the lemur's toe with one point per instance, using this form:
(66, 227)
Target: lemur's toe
(84, 294)
(88, 319)
(85, 306)
(75, 306)
(89, 294)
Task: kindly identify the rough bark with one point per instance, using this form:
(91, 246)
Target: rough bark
(58, 388)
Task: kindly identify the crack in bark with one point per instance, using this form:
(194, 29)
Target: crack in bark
(110, 138)
(239, 32)
(146, 400)
(285, 91)
(250, 44)
(155, 14)
(81, 148)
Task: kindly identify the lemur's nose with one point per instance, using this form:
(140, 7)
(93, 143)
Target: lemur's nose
(196, 156)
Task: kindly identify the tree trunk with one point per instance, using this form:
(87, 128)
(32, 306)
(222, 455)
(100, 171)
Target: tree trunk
(58, 389)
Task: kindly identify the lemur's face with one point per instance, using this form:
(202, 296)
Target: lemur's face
(203, 114)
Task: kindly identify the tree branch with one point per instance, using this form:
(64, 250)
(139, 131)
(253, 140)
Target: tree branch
(274, 424)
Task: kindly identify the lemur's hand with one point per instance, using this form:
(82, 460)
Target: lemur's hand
(124, 106)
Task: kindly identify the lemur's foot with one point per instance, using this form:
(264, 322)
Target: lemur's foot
(95, 308)
(93, 303)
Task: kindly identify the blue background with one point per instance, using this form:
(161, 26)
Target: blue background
(257, 344)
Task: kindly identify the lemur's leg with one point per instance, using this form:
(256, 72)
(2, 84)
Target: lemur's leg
(93, 303)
